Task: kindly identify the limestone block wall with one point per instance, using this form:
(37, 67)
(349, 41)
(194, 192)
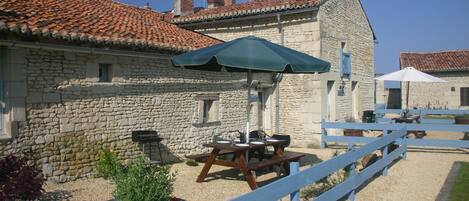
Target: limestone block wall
(300, 95)
(69, 116)
(345, 21)
(437, 95)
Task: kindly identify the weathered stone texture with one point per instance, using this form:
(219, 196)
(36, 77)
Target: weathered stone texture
(437, 95)
(317, 33)
(345, 21)
(70, 117)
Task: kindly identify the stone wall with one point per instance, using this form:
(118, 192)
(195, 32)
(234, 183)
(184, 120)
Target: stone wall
(437, 95)
(68, 116)
(303, 98)
(300, 108)
(345, 21)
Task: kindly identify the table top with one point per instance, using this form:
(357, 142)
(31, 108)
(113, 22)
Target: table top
(233, 147)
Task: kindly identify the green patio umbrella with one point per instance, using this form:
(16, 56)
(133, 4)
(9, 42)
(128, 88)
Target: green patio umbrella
(250, 54)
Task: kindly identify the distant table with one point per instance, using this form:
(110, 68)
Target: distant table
(240, 162)
(410, 120)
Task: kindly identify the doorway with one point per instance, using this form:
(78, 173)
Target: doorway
(331, 103)
(265, 110)
(355, 100)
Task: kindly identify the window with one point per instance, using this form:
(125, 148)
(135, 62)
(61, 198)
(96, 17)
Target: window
(105, 73)
(345, 60)
(208, 109)
(464, 96)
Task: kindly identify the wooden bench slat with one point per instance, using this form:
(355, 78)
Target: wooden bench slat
(202, 157)
(275, 161)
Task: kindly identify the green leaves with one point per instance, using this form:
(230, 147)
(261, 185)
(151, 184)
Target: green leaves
(138, 180)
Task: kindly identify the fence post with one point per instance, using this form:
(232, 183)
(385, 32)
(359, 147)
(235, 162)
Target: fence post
(384, 152)
(294, 169)
(404, 143)
(351, 172)
(323, 134)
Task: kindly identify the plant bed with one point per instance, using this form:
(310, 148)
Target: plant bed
(464, 119)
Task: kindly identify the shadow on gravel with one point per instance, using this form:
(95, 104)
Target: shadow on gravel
(56, 195)
(443, 195)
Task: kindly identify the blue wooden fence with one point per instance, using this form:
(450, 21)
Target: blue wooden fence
(421, 112)
(298, 180)
(387, 127)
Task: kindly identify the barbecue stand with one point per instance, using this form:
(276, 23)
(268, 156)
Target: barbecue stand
(148, 137)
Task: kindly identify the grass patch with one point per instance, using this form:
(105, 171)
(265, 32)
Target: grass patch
(460, 192)
(438, 117)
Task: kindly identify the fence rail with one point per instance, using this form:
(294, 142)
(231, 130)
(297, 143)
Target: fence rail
(294, 182)
(386, 127)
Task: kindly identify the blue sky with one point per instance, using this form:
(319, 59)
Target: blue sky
(400, 25)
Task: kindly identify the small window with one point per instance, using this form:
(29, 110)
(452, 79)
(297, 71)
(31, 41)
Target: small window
(208, 109)
(464, 96)
(345, 60)
(105, 73)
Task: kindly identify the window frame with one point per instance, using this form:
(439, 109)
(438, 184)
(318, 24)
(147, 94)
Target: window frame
(208, 111)
(107, 77)
(464, 96)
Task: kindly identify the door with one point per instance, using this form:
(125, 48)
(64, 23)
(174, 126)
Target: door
(331, 94)
(265, 110)
(355, 100)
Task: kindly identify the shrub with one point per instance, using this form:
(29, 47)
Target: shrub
(191, 163)
(19, 181)
(108, 165)
(144, 183)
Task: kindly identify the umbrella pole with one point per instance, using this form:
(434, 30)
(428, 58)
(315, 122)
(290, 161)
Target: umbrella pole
(407, 100)
(248, 107)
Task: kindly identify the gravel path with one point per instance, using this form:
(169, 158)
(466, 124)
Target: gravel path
(420, 177)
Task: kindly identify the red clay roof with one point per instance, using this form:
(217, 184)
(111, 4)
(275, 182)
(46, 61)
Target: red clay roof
(448, 61)
(97, 21)
(252, 7)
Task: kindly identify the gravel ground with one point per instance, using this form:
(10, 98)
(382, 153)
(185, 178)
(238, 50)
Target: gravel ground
(421, 177)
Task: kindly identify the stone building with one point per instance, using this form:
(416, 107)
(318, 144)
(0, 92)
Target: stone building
(337, 31)
(79, 76)
(452, 66)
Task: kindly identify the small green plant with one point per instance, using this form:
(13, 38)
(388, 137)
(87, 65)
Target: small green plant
(108, 165)
(324, 184)
(144, 182)
(191, 163)
(462, 116)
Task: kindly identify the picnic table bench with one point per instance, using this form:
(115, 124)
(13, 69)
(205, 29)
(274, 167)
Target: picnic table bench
(240, 162)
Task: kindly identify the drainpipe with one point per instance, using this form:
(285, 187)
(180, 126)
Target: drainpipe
(278, 78)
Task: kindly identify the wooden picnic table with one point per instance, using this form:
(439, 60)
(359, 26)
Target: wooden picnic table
(240, 162)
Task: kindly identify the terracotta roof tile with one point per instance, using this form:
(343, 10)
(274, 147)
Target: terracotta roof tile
(249, 8)
(447, 61)
(98, 21)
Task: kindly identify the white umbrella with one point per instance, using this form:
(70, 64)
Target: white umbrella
(409, 74)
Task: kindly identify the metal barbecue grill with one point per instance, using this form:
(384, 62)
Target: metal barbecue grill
(148, 137)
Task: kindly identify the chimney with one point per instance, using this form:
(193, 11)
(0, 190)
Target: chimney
(147, 6)
(183, 7)
(218, 3)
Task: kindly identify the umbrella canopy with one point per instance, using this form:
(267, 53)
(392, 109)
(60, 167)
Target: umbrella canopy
(251, 54)
(409, 74)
